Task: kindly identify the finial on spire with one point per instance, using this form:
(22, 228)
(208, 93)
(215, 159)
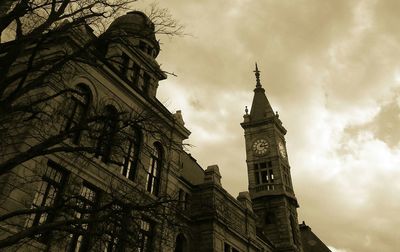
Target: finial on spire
(257, 73)
(246, 110)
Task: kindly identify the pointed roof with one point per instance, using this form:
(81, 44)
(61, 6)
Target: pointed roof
(261, 108)
(310, 241)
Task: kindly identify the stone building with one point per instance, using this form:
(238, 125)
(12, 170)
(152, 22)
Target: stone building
(156, 165)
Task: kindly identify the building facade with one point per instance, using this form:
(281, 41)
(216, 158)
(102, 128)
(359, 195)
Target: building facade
(174, 204)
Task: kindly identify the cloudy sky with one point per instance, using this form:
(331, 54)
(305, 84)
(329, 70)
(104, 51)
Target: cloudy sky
(332, 70)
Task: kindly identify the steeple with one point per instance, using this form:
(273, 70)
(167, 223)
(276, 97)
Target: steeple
(270, 184)
(260, 108)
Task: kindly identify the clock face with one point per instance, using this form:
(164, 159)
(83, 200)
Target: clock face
(260, 146)
(282, 149)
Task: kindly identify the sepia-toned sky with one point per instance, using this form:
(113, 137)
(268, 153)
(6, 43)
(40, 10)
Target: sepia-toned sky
(332, 70)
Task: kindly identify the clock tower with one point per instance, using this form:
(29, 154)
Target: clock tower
(270, 183)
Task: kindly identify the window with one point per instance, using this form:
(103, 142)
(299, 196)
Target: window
(113, 230)
(86, 202)
(183, 199)
(146, 48)
(286, 173)
(111, 244)
(49, 192)
(181, 244)
(131, 158)
(143, 46)
(77, 110)
(135, 74)
(271, 175)
(146, 83)
(107, 133)
(124, 64)
(145, 236)
(263, 174)
(229, 248)
(125, 232)
(150, 50)
(154, 170)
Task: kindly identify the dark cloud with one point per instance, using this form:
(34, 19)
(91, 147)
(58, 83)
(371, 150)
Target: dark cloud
(384, 125)
(196, 103)
(330, 68)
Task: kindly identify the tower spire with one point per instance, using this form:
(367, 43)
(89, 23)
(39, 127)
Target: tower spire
(257, 73)
(260, 108)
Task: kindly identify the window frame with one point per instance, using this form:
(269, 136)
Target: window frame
(153, 179)
(147, 80)
(131, 157)
(51, 183)
(183, 198)
(107, 133)
(181, 243)
(83, 240)
(124, 67)
(263, 173)
(230, 248)
(78, 102)
(146, 235)
(113, 235)
(135, 73)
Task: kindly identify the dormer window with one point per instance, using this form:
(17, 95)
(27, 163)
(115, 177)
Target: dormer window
(143, 46)
(135, 74)
(150, 50)
(146, 83)
(124, 64)
(146, 48)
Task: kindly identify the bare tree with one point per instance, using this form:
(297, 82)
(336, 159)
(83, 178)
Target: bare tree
(30, 63)
(40, 48)
(83, 217)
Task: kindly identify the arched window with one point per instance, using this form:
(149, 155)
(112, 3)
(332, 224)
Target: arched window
(77, 110)
(154, 170)
(181, 244)
(131, 157)
(107, 132)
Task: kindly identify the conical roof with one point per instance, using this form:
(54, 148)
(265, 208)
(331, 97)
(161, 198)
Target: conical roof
(261, 108)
